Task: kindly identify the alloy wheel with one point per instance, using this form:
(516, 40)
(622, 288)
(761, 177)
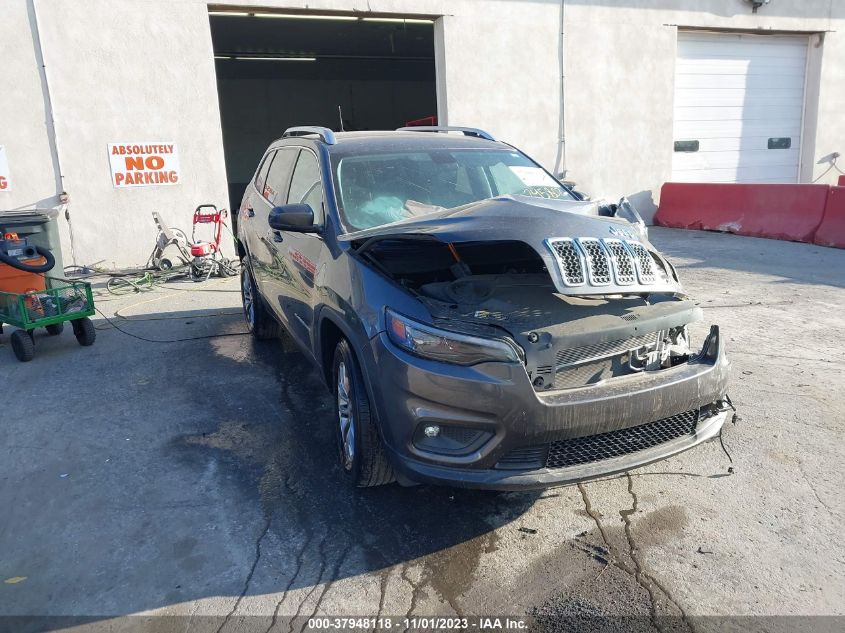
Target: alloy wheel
(345, 416)
(248, 297)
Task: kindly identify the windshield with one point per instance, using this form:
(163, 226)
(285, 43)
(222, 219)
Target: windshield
(380, 188)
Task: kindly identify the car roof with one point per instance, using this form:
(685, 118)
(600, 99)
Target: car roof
(386, 140)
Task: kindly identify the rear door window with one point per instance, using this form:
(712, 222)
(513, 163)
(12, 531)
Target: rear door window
(276, 185)
(261, 174)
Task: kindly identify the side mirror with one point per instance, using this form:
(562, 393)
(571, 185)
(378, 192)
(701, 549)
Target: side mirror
(293, 217)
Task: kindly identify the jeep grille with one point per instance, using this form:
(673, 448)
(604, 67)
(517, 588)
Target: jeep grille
(601, 262)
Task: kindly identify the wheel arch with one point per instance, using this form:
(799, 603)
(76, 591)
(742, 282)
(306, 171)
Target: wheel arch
(240, 244)
(329, 336)
(331, 328)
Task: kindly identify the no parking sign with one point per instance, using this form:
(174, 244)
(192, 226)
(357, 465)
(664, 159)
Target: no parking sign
(144, 164)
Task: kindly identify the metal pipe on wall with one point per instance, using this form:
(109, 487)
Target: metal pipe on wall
(560, 159)
(64, 198)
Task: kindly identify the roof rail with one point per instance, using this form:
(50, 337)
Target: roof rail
(323, 132)
(467, 131)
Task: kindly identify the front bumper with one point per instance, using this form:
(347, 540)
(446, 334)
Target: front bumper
(498, 398)
(494, 479)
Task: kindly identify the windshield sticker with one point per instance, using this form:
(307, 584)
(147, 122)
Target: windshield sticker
(532, 176)
(549, 193)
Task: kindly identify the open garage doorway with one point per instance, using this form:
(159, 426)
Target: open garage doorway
(277, 70)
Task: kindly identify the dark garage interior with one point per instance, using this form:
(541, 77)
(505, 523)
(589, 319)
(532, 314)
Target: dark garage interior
(277, 70)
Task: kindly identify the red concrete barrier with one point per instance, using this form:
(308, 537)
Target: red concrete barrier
(782, 212)
(831, 231)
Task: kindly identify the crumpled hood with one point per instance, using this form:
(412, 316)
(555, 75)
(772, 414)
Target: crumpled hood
(585, 253)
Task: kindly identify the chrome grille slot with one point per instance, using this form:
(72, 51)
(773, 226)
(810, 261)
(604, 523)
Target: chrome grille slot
(645, 263)
(623, 262)
(598, 262)
(570, 260)
(577, 355)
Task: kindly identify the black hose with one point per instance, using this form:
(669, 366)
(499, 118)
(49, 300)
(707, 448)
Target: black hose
(14, 262)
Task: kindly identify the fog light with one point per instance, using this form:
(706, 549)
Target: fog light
(448, 439)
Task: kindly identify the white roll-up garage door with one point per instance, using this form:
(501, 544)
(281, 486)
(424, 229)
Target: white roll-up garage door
(739, 107)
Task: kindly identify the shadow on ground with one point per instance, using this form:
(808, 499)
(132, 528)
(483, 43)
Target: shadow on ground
(290, 465)
(207, 469)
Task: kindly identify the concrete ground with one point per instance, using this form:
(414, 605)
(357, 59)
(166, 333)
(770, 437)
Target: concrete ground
(199, 478)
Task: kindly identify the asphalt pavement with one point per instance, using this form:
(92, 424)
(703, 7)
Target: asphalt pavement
(198, 479)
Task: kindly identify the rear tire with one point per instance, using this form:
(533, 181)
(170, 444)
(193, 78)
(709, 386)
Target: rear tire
(83, 330)
(362, 456)
(55, 329)
(260, 322)
(23, 346)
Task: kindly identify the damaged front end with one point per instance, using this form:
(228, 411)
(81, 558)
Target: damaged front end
(591, 319)
(581, 309)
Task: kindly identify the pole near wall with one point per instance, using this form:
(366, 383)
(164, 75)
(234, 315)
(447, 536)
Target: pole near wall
(440, 70)
(560, 159)
(64, 200)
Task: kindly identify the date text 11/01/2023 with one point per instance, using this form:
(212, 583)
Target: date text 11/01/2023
(433, 623)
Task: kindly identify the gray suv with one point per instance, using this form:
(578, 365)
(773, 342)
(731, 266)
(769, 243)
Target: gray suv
(478, 323)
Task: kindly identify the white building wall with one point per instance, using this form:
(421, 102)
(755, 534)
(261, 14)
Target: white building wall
(126, 71)
(23, 117)
(131, 70)
(620, 80)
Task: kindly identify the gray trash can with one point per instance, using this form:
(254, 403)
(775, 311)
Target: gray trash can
(40, 227)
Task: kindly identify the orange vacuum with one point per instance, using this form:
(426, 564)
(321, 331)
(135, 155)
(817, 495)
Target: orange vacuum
(22, 266)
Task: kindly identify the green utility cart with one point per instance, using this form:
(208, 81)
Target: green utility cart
(63, 300)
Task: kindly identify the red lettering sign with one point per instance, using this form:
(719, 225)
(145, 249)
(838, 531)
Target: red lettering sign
(144, 164)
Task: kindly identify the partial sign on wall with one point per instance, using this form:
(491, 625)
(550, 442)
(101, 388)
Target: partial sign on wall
(5, 178)
(144, 164)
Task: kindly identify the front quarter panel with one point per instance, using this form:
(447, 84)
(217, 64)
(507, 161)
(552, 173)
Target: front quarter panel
(360, 294)
(353, 298)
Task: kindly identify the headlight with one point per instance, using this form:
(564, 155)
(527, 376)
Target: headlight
(448, 347)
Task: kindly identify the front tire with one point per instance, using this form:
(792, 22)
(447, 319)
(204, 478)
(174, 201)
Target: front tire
(83, 330)
(259, 321)
(23, 346)
(362, 455)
